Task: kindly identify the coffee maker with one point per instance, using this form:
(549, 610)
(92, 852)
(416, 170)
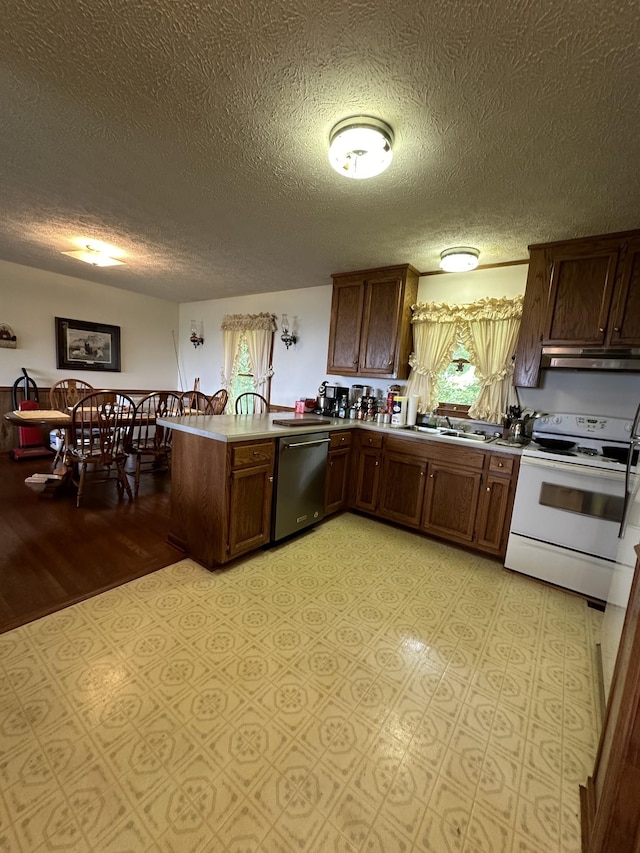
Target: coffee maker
(328, 403)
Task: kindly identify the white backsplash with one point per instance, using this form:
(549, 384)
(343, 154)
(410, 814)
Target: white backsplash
(591, 392)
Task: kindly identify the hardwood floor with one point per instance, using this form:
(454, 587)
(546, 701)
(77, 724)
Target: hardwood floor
(53, 554)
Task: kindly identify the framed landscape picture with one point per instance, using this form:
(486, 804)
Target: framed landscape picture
(81, 345)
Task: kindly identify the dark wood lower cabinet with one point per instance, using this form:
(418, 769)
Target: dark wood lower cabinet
(402, 489)
(461, 494)
(496, 503)
(221, 497)
(250, 493)
(366, 465)
(451, 502)
(337, 484)
(336, 493)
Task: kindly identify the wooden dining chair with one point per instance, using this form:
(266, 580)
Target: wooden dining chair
(218, 401)
(195, 403)
(63, 395)
(66, 392)
(251, 403)
(148, 442)
(100, 429)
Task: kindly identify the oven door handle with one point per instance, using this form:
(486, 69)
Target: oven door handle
(574, 470)
(635, 443)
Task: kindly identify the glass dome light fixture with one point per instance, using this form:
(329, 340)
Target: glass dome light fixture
(360, 147)
(459, 259)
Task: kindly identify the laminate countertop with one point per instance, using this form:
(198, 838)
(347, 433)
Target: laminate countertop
(233, 428)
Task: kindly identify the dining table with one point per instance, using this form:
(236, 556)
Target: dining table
(60, 477)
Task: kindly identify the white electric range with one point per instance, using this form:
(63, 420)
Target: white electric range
(569, 502)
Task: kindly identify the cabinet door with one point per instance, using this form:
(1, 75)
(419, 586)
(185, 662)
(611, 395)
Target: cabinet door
(381, 328)
(624, 327)
(367, 478)
(451, 502)
(402, 489)
(345, 328)
(250, 508)
(492, 513)
(580, 294)
(337, 480)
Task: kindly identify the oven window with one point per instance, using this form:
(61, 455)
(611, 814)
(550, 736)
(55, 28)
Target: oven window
(596, 504)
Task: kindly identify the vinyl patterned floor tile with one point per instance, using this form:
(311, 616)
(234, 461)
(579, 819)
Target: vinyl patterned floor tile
(411, 698)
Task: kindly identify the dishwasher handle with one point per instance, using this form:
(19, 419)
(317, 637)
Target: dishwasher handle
(306, 443)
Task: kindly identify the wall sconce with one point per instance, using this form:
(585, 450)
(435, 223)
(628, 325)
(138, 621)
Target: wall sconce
(287, 337)
(196, 338)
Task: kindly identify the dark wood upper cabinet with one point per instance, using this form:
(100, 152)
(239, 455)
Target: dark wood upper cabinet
(582, 293)
(370, 330)
(581, 288)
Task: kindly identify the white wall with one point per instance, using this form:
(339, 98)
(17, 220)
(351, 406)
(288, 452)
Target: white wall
(30, 299)
(464, 287)
(299, 371)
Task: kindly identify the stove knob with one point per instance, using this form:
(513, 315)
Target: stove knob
(557, 420)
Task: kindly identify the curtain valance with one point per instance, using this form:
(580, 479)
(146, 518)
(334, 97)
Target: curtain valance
(491, 308)
(249, 322)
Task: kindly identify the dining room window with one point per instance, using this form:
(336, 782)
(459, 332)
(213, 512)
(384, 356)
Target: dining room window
(248, 350)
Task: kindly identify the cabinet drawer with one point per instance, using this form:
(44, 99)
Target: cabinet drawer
(501, 464)
(340, 439)
(244, 455)
(371, 439)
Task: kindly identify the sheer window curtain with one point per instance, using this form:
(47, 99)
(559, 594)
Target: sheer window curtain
(490, 334)
(257, 330)
(434, 336)
(488, 329)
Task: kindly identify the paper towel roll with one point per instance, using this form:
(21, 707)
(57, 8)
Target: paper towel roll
(412, 409)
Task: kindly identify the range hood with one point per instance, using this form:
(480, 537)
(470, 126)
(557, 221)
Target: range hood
(591, 358)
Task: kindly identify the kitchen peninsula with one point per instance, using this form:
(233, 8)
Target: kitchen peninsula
(222, 481)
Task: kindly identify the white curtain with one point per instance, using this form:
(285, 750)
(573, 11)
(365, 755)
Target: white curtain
(490, 335)
(259, 346)
(230, 345)
(434, 338)
(257, 330)
(488, 329)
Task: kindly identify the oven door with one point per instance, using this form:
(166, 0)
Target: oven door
(573, 506)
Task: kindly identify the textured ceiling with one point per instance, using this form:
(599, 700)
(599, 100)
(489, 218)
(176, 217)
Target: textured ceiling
(193, 135)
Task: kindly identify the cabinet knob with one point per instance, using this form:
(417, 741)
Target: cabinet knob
(390, 362)
(500, 464)
(256, 453)
(377, 463)
(422, 473)
(616, 328)
(355, 360)
(431, 476)
(601, 330)
(331, 464)
(488, 488)
(271, 479)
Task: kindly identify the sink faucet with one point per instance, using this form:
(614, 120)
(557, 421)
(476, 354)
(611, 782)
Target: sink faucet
(448, 420)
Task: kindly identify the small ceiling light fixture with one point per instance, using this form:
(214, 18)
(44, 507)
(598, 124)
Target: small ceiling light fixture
(287, 337)
(196, 337)
(459, 259)
(360, 147)
(94, 256)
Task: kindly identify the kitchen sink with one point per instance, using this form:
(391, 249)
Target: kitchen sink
(447, 432)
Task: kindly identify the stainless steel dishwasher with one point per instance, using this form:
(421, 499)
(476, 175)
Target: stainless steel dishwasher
(301, 468)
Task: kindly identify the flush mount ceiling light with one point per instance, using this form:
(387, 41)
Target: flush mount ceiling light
(459, 259)
(92, 255)
(360, 147)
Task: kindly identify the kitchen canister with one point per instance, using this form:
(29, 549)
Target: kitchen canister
(412, 409)
(399, 411)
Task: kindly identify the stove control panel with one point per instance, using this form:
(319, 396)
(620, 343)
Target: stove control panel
(596, 426)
